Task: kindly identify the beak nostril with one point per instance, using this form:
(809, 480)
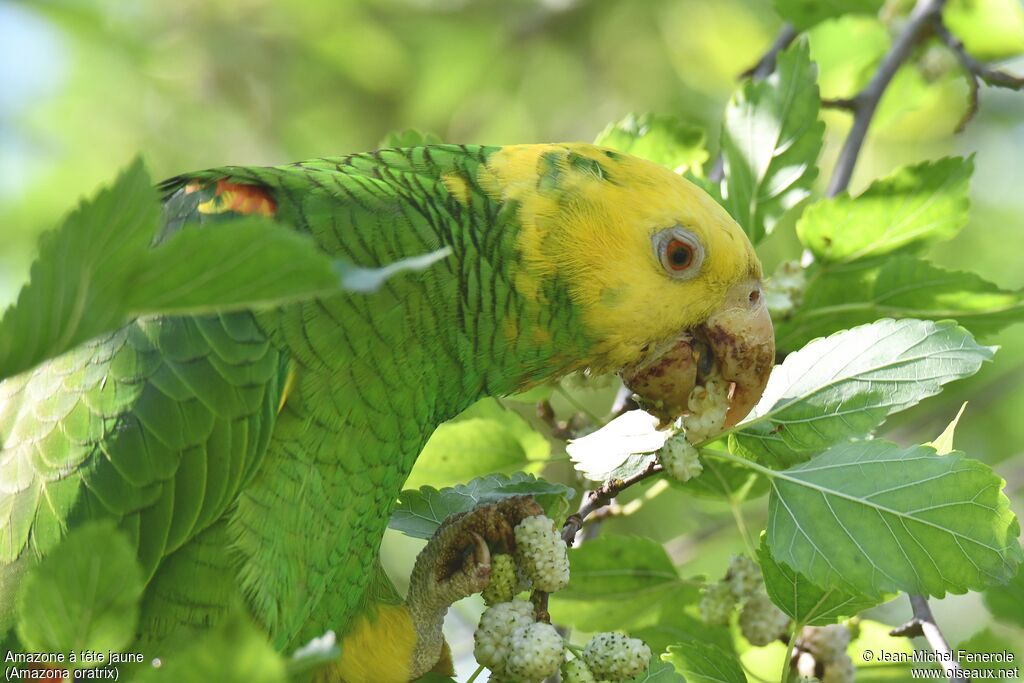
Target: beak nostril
(755, 296)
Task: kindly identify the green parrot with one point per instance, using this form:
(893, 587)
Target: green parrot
(256, 456)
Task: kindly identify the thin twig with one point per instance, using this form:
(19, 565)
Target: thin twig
(602, 496)
(766, 65)
(918, 26)
(923, 624)
(975, 71)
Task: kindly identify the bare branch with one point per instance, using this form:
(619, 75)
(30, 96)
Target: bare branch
(923, 624)
(918, 26)
(766, 65)
(600, 497)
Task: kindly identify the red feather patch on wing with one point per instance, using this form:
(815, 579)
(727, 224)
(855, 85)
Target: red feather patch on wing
(244, 200)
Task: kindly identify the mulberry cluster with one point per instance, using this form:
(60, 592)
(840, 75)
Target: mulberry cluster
(708, 405)
(823, 649)
(516, 647)
(760, 621)
(680, 459)
(541, 553)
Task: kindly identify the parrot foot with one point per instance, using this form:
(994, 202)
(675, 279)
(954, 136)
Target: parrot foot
(455, 564)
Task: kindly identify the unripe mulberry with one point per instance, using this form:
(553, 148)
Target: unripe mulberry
(743, 576)
(826, 643)
(504, 580)
(616, 656)
(535, 653)
(680, 459)
(840, 670)
(576, 671)
(761, 622)
(541, 553)
(717, 604)
(494, 633)
(708, 406)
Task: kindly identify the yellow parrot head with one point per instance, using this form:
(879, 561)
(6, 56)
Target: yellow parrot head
(667, 284)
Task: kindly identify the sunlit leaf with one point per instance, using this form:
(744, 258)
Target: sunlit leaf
(618, 583)
(872, 518)
(914, 206)
(806, 13)
(989, 29)
(844, 386)
(84, 595)
(839, 296)
(420, 511)
(663, 139)
(804, 601)
(234, 650)
(598, 454)
(409, 137)
(1006, 603)
(484, 439)
(770, 143)
(944, 442)
(703, 663)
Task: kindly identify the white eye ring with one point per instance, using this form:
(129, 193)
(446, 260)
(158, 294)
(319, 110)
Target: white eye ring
(679, 252)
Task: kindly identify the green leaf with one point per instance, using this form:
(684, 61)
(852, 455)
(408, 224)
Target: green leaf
(1006, 603)
(663, 139)
(599, 454)
(806, 13)
(658, 672)
(990, 29)
(99, 270)
(409, 137)
(234, 650)
(847, 51)
(913, 206)
(726, 480)
(618, 582)
(872, 518)
(943, 444)
(771, 137)
(804, 601)
(844, 386)
(843, 295)
(703, 663)
(84, 595)
(420, 512)
(484, 439)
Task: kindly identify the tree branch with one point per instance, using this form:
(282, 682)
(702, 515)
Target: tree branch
(766, 65)
(600, 497)
(976, 71)
(923, 624)
(918, 26)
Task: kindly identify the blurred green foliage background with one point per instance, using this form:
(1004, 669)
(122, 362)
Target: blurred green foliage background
(87, 84)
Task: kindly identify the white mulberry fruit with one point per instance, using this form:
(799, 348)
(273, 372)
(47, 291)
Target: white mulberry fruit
(708, 405)
(761, 622)
(494, 633)
(541, 553)
(535, 652)
(826, 643)
(504, 580)
(743, 576)
(577, 671)
(717, 604)
(840, 670)
(680, 459)
(616, 656)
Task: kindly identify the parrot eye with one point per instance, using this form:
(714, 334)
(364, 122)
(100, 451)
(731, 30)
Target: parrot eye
(680, 253)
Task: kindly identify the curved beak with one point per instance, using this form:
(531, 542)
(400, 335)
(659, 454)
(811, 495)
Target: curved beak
(736, 344)
(742, 341)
